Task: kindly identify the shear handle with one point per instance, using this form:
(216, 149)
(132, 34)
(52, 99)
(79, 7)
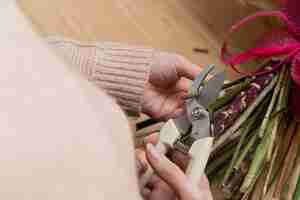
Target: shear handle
(199, 153)
(168, 135)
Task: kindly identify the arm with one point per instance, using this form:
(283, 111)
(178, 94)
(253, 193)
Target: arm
(121, 70)
(60, 138)
(141, 79)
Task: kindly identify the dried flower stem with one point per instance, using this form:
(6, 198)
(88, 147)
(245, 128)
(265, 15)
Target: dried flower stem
(246, 113)
(284, 146)
(269, 195)
(270, 169)
(288, 162)
(250, 188)
(294, 177)
(227, 116)
(257, 192)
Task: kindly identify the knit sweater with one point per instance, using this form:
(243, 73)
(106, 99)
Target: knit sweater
(121, 70)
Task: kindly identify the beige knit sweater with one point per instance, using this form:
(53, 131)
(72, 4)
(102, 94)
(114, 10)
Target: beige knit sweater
(121, 70)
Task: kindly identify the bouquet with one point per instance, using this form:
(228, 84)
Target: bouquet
(257, 149)
(256, 154)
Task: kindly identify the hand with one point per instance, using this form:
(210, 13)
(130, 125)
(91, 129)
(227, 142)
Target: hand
(169, 81)
(170, 182)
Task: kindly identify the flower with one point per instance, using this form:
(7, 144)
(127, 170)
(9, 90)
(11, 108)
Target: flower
(279, 42)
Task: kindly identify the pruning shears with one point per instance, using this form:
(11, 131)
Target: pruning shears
(192, 133)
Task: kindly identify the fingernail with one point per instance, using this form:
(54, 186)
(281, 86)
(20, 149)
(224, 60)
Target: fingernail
(154, 153)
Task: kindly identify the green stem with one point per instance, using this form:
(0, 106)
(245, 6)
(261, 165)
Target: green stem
(233, 139)
(267, 117)
(283, 96)
(296, 195)
(258, 159)
(233, 185)
(230, 144)
(245, 151)
(146, 123)
(216, 177)
(287, 91)
(280, 105)
(245, 131)
(218, 161)
(229, 95)
(235, 82)
(274, 135)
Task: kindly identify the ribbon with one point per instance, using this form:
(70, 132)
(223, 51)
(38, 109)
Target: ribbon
(279, 42)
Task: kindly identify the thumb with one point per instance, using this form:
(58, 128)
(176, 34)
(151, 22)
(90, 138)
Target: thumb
(169, 172)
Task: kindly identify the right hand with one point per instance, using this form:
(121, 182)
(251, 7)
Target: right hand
(169, 181)
(169, 80)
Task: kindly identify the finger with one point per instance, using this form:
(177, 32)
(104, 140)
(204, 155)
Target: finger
(171, 104)
(153, 139)
(141, 166)
(204, 189)
(160, 189)
(169, 172)
(144, 179)
(204, 183)
(178, 112)
(153, 181)
(187, 69)
(182, 85)
(180, 159)
(146, 193)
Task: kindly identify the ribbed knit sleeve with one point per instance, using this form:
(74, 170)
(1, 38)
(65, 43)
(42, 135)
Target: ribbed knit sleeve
(121, 70)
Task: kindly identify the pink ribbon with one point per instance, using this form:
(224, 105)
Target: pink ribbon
(280, 42)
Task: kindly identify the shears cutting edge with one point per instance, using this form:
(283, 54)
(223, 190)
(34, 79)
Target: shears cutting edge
(192, 133)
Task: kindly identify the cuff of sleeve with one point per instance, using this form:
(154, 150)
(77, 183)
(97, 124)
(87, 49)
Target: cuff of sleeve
(123, 72)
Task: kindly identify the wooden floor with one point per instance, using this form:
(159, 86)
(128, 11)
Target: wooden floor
(173, 25)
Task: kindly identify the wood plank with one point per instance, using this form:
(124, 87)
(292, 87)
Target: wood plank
(173, 25)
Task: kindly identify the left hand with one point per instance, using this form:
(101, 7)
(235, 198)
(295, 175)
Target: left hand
(169, 81)
(169, 182)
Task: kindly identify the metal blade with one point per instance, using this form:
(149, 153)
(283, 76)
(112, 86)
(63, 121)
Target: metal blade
(199, 79)
(200, 120)
(183, 124)
(210, 91)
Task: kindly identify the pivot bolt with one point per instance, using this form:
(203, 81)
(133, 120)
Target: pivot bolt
(198, 113)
